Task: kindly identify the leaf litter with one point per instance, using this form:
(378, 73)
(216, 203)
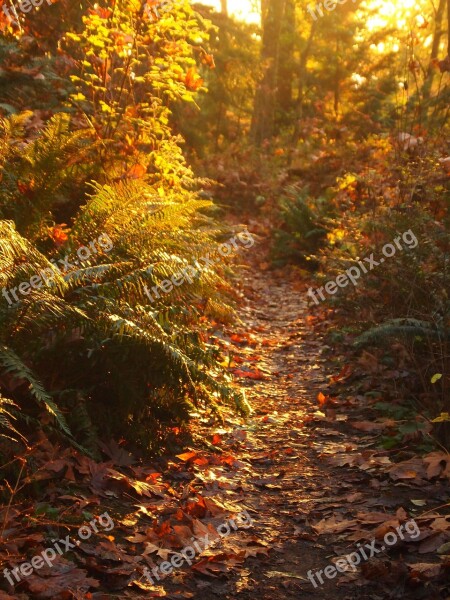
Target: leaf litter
(306, 467)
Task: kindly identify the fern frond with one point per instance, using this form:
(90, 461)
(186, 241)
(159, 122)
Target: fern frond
(13, 365)
(20, 260)
(401, 329)
(6, 419)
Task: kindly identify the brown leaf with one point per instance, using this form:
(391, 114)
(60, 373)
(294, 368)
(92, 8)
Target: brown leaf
(255, 550)
(64, 578)
(209, 567)
(371, 517)
(408, 469)
(119, 456)
(438, 465)
(333, 525)
(368, 426)
(425, 570)
(433, 542)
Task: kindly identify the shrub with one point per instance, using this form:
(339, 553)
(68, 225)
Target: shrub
(403, 304)
(302, 230)
(86, 344)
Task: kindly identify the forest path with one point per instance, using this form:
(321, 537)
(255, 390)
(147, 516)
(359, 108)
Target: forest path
(287, 464)
(283, 372)
(307, 504)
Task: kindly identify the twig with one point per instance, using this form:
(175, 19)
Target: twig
(24, 462)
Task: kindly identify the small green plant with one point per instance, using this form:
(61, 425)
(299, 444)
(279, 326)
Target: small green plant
(301, 232)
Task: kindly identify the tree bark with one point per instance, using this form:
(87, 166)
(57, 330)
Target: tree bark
(337, 82)
(263, 121)
(301, 83)
(448, 28)
(287, 65)
(437, 35)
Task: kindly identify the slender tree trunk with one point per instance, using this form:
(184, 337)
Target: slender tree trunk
(263, 122)
(264, 9)
(437, 35)
(287, 66)
(301, 83)
(448, 28)
(223, 49)
(337, 82)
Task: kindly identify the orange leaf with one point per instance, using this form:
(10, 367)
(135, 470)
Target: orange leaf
(345, 372)
(257, 374)
(187, 456)
(193, 81)
(208, 59)
(322, 399)
(137, 171)
(58, 235)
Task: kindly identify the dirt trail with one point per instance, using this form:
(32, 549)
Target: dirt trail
(290, 486)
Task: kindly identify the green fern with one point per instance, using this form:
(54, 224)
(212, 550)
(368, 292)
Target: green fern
(90, 342)
(97, 319)
(403, 329)
(39, 175)
(301, 233)
(13, 365)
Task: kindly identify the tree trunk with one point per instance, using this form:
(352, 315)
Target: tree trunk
(264, 9)
(263, 121)
(301, 83)
(337, 82)
(437, 35)
(448, 28)
(286, 63)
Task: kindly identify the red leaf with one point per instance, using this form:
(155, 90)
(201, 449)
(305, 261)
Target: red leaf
(193, 81)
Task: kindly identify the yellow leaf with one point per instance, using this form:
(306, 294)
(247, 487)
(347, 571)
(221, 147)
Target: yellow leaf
(443, 418)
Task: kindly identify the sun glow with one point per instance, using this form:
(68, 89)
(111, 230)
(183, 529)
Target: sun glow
(244, 10)
(385, 12)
